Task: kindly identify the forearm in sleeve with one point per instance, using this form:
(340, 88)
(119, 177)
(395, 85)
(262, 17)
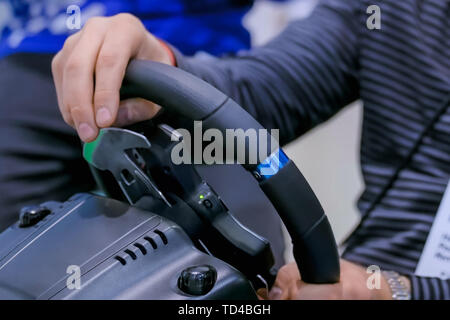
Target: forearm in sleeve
(299, 79)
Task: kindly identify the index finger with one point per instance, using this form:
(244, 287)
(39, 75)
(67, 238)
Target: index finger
(78, 81)
(109, 73)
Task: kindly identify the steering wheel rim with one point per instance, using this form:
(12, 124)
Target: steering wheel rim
(184, 94)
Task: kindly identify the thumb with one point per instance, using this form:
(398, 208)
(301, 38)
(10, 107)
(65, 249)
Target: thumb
(277, 293)
(135, 110)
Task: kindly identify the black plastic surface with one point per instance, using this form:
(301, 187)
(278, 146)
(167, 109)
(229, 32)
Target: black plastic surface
(186, 95)
(173, 88)
(208, 219)
(231, 116)
(197, 280)
(194, 99)
(315, 249)
(123, 253)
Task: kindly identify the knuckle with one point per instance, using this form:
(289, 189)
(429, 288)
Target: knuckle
(67, 119)
(70, 107)
(72, 66)
(75, 110)
(69, 41)
(125, 17)
(66, 105)
(102, 93)
(77, 113)
(94, 22)
(284, 269)
(127, 21)
(107, 60)
(104, 96)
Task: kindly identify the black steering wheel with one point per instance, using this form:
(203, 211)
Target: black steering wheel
(181, 93)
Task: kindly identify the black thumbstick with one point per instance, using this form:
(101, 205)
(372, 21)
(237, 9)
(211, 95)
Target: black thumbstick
(31, 215)
(197, 280)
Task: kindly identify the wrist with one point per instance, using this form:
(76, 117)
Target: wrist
(384, 292)
(407, 282)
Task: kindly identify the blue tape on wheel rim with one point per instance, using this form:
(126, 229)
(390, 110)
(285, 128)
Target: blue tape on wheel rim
(270, 166)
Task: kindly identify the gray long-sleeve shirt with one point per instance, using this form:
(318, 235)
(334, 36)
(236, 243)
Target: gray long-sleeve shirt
(401, 72)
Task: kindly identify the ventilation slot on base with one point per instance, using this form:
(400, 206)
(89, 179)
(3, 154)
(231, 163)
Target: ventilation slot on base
(152, 242)
(131, 254)
(121, 260)
(141, 247)
(162, 236)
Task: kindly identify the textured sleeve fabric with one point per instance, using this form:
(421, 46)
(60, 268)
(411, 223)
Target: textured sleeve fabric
(423, 288)
(299, 80)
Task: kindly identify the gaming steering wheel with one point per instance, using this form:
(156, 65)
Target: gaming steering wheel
(185, 95)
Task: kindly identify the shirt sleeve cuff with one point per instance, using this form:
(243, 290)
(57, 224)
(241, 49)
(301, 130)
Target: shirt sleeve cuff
(423, 288)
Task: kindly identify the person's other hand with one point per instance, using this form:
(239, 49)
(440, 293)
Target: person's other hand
(89, 70)
(352, 286)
